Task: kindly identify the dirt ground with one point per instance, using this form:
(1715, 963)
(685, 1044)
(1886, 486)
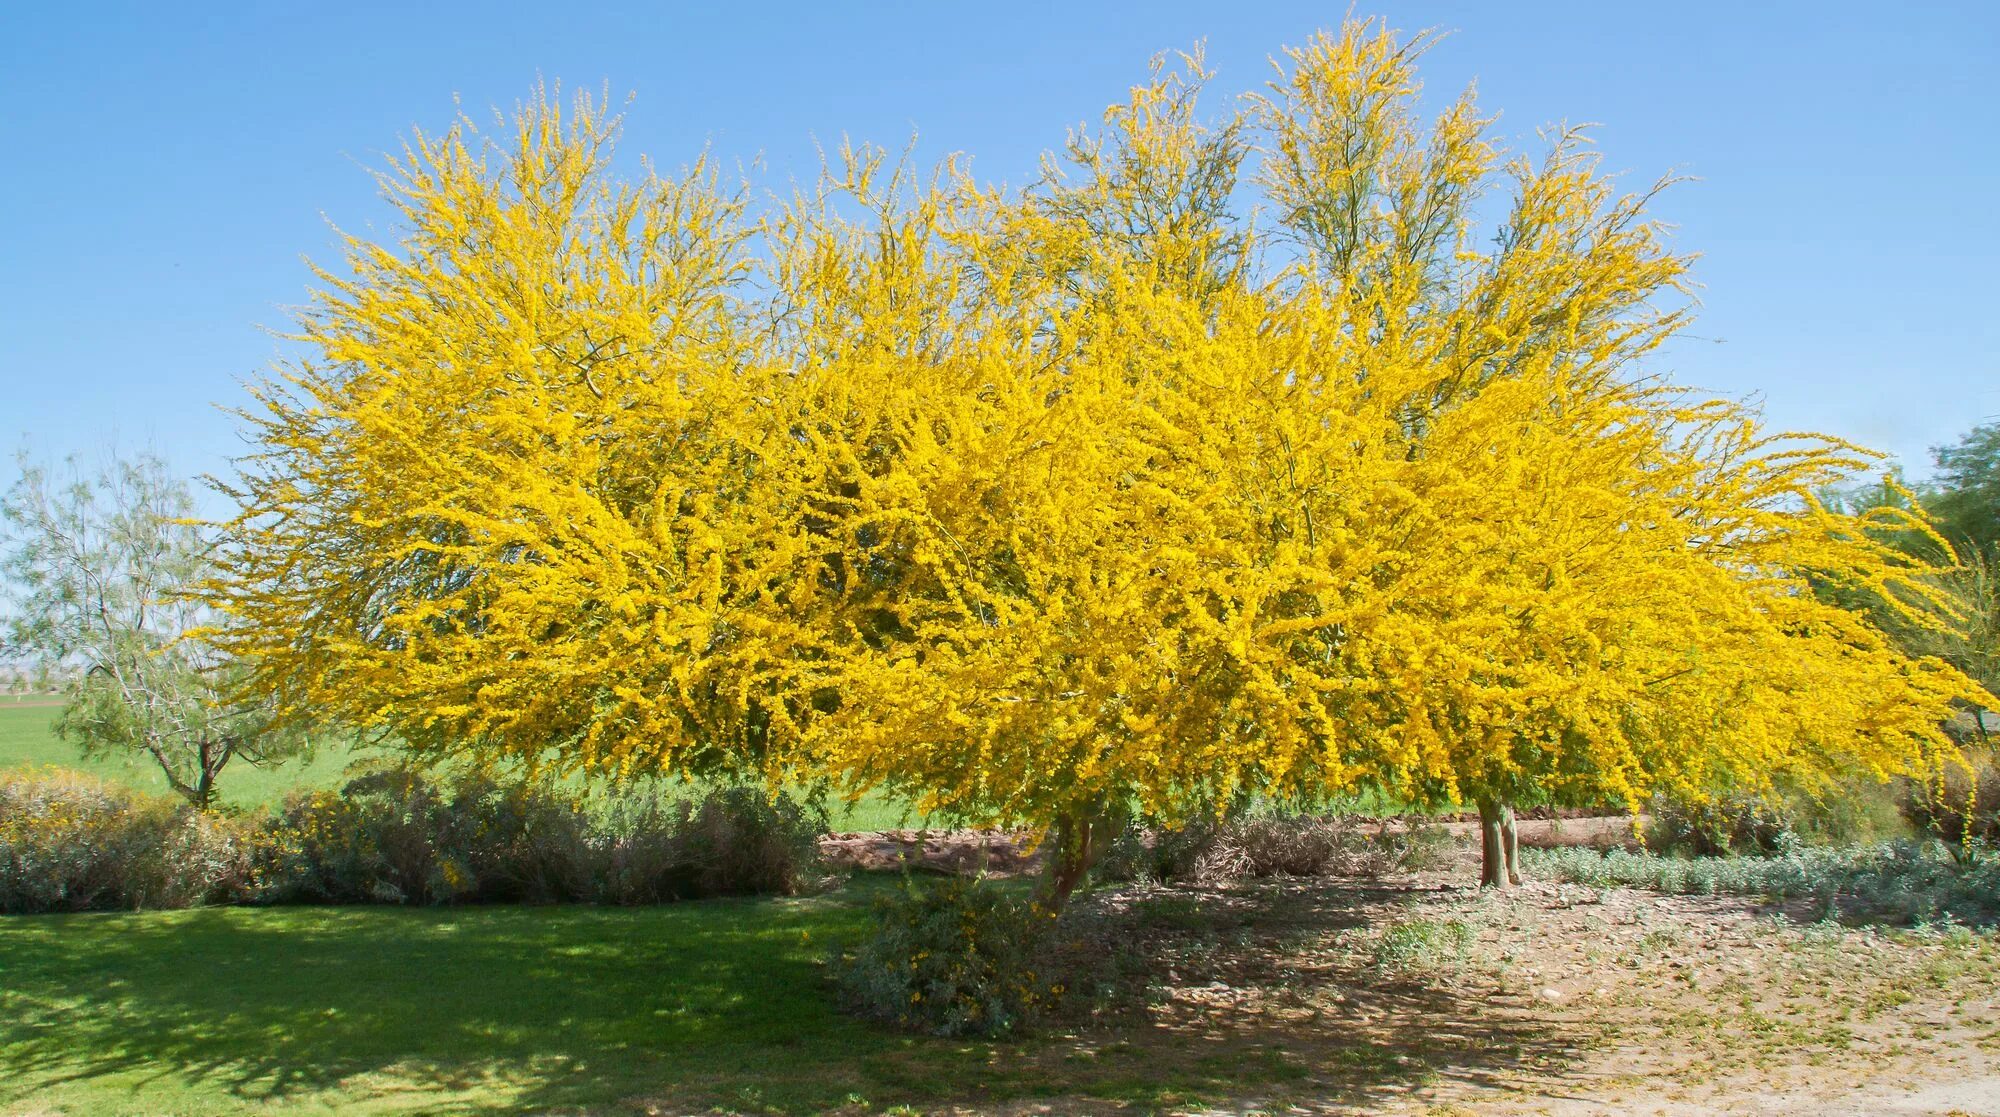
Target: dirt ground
(1558, 999)
(1417, 994)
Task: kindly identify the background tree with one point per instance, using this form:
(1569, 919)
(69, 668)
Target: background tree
(1964, 497)
(1952, 521)
(1043, 507)
(1965, 494)
(104, 573)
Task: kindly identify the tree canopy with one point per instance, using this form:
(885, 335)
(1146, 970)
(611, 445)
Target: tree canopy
(1299, 446)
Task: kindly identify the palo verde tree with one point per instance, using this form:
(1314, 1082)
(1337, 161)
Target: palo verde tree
(1230, 456)
(104, 571)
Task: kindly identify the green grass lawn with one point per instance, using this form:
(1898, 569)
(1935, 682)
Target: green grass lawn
(690, 1007)
(419, 1009)
(28, 740)
(496, 1009)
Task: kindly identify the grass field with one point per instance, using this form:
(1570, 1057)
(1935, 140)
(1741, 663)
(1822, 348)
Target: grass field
(694, 1007)
(313, 1010)
(28, 740)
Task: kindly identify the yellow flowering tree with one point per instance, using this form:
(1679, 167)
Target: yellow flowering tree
(1230, 457)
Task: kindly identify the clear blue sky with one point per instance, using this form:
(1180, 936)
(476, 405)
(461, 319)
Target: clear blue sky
(166, 166)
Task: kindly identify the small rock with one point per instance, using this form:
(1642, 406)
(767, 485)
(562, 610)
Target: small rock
(1552, 994)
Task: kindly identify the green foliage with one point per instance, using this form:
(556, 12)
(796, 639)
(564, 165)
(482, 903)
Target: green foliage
(398, 836)
(1963, 504)
(1417, 947)
(72, 843)
(1895, 882)
(952, 957)
(1966, 498)
(69, 842)
(734, 840)
(103, 571)
(1743, 822)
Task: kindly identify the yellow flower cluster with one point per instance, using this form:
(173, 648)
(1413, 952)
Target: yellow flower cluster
(1028, 502)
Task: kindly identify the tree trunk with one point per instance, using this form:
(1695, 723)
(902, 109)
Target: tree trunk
(1073, 849)
(211, 757)
(1499, 846)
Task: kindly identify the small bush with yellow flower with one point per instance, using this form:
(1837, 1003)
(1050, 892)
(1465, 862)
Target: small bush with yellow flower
(70, 842)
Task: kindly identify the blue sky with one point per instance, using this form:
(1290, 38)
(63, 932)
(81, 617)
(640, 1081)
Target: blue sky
(167, 166)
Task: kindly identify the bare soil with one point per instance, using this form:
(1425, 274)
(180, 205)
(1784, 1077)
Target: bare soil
(1561, 1000)
(1418, 994)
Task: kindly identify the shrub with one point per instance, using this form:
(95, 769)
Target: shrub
(1895, 882)
(1143, 853)
(951, 957)
(1740, 822)
(69, 842)
(1412, 845)
(1961, 809)
(398, 836)
(1267, 844)
(1761, 823)
(733, 841)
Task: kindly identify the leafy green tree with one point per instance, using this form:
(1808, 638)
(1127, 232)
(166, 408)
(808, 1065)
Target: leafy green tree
(101, 570)
(1966, 493)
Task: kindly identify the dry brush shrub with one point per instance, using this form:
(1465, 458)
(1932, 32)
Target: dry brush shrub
(1771, 820)
(399, 836)
(1267, 844)
(734, 841)
(69, 842)
(1961, 807)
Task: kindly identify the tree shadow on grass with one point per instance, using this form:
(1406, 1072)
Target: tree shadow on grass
(509, 1007)
(689, 1007)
